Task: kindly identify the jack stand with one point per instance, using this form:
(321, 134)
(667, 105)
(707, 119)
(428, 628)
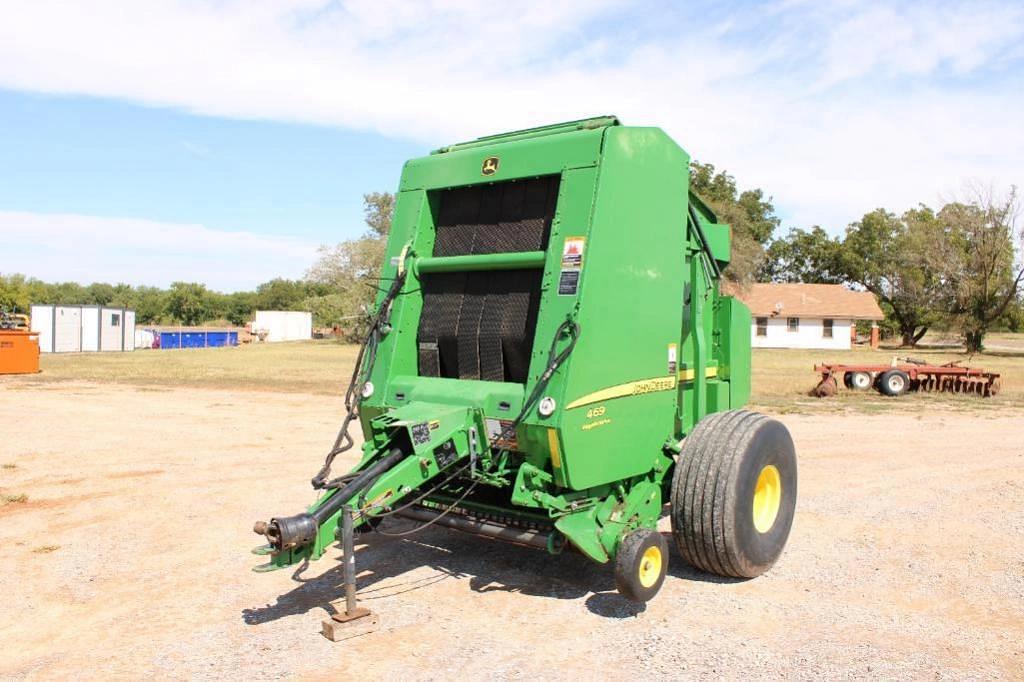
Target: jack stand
(354, 621)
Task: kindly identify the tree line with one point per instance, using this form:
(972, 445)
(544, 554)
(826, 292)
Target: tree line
(958, 267)
(186, 303)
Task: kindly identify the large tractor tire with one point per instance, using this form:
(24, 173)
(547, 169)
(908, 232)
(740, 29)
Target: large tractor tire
(734, 493)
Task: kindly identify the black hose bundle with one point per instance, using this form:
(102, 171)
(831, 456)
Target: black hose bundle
(555, 360)
(364, 366)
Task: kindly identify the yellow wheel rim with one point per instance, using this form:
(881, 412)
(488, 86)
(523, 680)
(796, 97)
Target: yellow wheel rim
(650, 566)
(767, 497)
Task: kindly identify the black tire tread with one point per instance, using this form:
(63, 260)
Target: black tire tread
(702, 442)
(708, 460)
(626, 557)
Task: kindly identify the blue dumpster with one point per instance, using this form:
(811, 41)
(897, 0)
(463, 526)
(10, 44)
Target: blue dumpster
(196, 339)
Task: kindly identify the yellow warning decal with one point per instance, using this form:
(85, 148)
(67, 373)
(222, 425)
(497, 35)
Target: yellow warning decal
(642, 387)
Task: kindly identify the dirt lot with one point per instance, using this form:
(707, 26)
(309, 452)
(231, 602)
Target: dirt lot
(127, 513)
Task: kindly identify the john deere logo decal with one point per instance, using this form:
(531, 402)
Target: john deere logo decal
(490, 166)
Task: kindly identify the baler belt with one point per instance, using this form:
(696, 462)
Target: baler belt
(504, 217)
(478, 325)
(442, 302)
(467, 332)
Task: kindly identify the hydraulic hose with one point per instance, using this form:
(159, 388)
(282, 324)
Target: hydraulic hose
(363, 366)
(357, 485)
(555, 360)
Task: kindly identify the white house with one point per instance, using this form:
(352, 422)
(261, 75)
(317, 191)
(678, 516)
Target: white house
(808, 315)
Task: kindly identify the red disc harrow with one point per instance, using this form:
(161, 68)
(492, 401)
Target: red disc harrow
(906, 374)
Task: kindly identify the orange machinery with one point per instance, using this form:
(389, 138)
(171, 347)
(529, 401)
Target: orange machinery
(19, 351)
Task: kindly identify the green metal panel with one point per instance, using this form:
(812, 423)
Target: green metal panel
(518, 158)
(490, 261)
(542, 131)
(619, 397)
(734, 323)
(718, 238)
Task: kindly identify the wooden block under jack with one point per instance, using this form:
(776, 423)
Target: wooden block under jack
(347, 625)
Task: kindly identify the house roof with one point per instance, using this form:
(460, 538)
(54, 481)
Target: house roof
(808, 300)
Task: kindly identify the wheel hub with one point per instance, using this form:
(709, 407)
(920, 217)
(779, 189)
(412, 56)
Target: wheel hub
(767, 498)
(650, 566)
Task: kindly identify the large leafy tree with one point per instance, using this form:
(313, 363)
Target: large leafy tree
(892, 257)
(186, 302)
(14, 293)
(100, 293)
(280, 294)
(350, 270)
(983, 276)
(810, 256)
(239, 307)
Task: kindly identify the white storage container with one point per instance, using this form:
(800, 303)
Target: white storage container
(283, 325)
(83, 328)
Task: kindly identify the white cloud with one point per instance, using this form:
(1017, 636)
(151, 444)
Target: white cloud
(67, 247)
(834, 107)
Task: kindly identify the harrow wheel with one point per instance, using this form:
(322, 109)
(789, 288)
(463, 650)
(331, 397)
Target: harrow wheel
(734, 493)
(858, 381)
(894, 382)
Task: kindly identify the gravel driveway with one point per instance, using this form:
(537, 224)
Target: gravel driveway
(129, 557)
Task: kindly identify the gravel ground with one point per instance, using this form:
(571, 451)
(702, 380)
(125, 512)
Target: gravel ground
(129, 558)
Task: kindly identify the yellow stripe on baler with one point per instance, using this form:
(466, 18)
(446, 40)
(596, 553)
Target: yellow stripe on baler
(642, 387)
(556, 457)
(690, 374)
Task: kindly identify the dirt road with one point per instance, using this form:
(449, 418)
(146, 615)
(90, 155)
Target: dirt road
(129, 557)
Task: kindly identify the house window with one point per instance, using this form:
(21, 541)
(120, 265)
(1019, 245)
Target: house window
(115, 319)
(826, 329)
(762, 326)
(793, 324)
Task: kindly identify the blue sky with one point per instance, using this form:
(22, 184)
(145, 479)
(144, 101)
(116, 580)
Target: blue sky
(72, 154)
(223, 141)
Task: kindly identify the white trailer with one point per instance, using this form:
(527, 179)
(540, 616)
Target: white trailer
(283, 325)
(83, 328)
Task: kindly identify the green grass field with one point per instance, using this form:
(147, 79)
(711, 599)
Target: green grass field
(781, 378)
(309, 367)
